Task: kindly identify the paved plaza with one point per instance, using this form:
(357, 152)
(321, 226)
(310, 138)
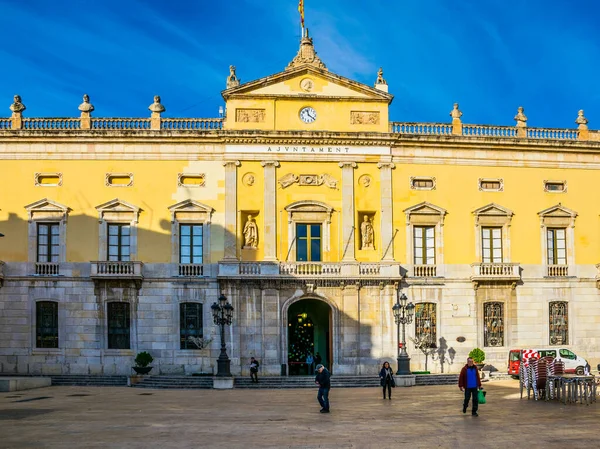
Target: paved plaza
(423, 417)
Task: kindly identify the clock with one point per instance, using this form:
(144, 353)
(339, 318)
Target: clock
(308, 115)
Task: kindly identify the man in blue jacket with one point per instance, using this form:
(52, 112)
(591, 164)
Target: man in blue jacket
(470, 382)
(322, 380)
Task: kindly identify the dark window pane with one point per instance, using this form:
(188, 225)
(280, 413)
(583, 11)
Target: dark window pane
(118, 321)
(315, 230)
(302, 251)
(190, 324)
(301, 230)
(315, 250)
(46, 324)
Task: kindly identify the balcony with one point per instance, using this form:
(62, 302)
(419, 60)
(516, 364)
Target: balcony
(116, 270)
(496, 272)
(424, 271)
(190, 270)
(557, 271)
(327, 270)
(47, 269)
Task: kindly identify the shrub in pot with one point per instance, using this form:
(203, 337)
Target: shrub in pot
(142, 360)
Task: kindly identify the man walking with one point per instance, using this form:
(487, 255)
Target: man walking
(254, 370)
(322, 380)
(470, 382)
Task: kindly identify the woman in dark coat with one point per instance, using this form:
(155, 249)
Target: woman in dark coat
(386, 376)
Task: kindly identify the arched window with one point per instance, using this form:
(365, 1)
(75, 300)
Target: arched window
(559, 323)
(493, 324)
(119, 325)
(425, 324)
(190, 324)
(46, 324)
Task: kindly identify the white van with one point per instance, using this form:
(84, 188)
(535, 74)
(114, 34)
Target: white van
(573, 363)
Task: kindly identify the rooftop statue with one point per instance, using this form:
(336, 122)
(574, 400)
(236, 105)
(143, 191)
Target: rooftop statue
(17, 106)
(380, 79)
(521, 118)
(306, 55)
(456, 113)
(581, 120)
(157, 106)
(232, 79)
(86, 106)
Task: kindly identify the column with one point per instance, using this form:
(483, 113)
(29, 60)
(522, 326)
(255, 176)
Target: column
(348, 218)
(270, 211)
(230, 240)
(387, 216)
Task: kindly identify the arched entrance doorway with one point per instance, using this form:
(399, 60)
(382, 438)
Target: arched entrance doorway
(309, 331)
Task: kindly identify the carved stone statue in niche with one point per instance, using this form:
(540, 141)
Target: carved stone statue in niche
(250, 234)
(367, 233)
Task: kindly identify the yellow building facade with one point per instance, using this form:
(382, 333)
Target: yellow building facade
(312, 213)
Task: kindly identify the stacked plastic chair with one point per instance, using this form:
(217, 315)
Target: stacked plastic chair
(533, 375)
(542, 376)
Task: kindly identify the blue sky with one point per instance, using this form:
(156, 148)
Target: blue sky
(491, 56)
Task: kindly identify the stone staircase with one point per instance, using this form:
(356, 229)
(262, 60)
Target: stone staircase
(276, 382)
(176, 382)
(89, 381)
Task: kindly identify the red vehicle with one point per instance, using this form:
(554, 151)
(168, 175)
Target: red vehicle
(572, 362)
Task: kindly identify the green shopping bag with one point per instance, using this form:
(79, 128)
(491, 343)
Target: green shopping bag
(481, 396)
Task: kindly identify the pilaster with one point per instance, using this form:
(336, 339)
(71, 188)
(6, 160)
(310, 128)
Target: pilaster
(230, 250)
(270, 211)
(348, 216)
(387, 226)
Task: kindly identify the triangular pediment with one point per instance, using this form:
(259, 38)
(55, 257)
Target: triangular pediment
(46, 205)
(117, 205)
(307, 82)
(425, 208)
(188, 209)
(494, 210)
(558, 211)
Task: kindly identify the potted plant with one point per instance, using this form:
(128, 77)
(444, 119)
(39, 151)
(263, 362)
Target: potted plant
(142, 360)
(478, 357)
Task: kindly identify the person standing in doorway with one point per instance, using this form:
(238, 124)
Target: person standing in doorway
(323, 381)
(470, 382)
(386, 376)
(309, 363)
(318, 360)
(254, 370)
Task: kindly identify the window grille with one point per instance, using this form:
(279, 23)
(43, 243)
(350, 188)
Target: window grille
(425, 323)
(119, 325)
(559, 323)
(46, 324)
(190, 324)
(493, 324)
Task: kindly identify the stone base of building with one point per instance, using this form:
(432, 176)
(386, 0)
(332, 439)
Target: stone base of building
(405, 381)
(222, 383)
(23, 383)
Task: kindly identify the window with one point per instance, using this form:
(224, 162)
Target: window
(46, 324)
(566, 354)
(559, 323)
(308, 246)
(495, 185)
(119, 321)
(547, 353)
(118, 242)
(190, 323)
(190, 243)
(48, 244)
(557, 246)
(425, 323)
(491, 245)
(555, 186)
(424, 245)
(493, 324)
(422, 183)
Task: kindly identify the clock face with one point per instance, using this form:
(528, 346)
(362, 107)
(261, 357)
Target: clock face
(308, 115)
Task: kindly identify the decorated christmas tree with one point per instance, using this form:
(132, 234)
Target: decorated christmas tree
(301, 338)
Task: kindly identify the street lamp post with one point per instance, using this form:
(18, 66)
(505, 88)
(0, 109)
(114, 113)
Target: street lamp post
(222, 315)
(403, 314)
